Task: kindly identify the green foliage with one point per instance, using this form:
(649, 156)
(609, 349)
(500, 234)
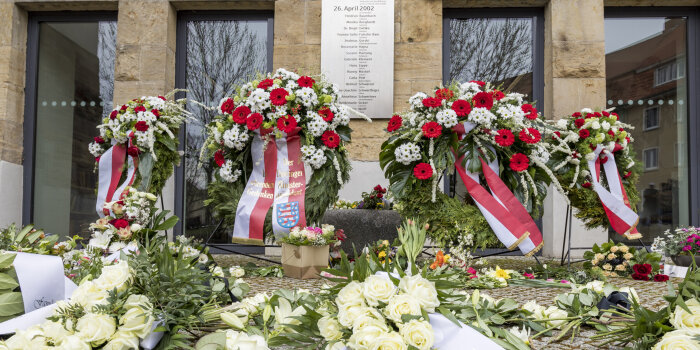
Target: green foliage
(264, 271)
(153, 174)
(31, 240)
(11, 303)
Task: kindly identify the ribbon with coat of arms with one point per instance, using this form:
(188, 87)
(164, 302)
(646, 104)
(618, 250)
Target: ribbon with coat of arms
(507, 217)
(110, 167)
(277, 181)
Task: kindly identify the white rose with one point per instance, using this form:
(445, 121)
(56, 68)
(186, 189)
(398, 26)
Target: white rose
(681, 319)
(114, 276)
(605, 125)
(136, 227)
(242, 341)
(348, 314)
(596, 286)
(371, 317)
(682, 339)
(561, 123)
(88, 294)
(536, 309)
(122, 341)
(361, 339)
(418, 334)
(556, 313)
(421, 289)
(73, 342)
(585, 111)
(139, 301)
(378, 289)
(218, 271)
(388, 341)
(402, 304)
(31, 338)
(138, 321)
(96, 328)
(329, 328)
(55, 331)
(237, 271)
(351, 294)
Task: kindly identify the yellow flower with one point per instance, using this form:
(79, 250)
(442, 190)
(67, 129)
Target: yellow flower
(501, 273)
(385, 243)
(447, 257)
(381, 255)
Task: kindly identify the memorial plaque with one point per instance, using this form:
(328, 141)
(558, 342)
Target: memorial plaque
(357, 53)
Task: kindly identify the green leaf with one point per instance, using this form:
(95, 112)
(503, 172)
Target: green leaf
(7, 282)
(145, 170)
(167, 224)
(11, 304)
(6, 260)
(20, 236)
(170, 143)
(212, 341)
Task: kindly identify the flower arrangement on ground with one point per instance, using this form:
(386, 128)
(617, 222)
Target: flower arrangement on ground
(373, 199)
(575, 142)
(343, 204)
(272, 107)
(681, 241)
(148, 128)
(468, 122)
(614, 259)
(315, 236)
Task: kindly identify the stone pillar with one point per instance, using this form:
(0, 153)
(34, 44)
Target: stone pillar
(574, 62)
(146, 57)
(13, 41)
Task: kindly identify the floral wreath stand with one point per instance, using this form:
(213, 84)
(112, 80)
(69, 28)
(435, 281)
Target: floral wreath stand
(228, 247)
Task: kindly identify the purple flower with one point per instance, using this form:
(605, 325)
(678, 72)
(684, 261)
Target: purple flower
(686, 248)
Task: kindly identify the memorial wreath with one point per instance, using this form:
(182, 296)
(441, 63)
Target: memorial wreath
(489, 136)
(260, 142)
(596, 149)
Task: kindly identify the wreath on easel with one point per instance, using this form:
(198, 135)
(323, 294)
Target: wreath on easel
(468, 125)
(270, 107)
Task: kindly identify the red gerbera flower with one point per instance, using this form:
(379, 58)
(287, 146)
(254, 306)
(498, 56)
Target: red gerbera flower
(265, 84)
(141, 126)
(227, 106)
(254, 121)
(444, 94)
(278, 96)
(219, 158)
(156, 113)
(584, 133)
(432, 102)
(423, 171)
(432, 130)
(331, 139)
(394, 123)
(579, 122)
(287, 123)
(99, 139)
(478, 82)
(139, 109)
(326, 114)
(519, 162)
(504, 138)
(240, 114)
(483, 100)
(306, 81)
(530, 135)
(113, 114)
(497, 95)
(530, 111)
(461, 107)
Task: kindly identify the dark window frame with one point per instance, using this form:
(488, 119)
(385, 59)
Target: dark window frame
(537, 16)
(692, 74)
(183, 17)
(658, 118)
(31, 85)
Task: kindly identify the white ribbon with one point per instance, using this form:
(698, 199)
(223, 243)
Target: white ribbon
(614, 199)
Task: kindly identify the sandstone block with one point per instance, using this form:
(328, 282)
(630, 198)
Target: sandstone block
(128, 63)
(572, 94)
(421, 21)
(306, 58)
(362, 129)
(578, 59)
(416, 61)
(154, 63)
(290, 22)
(313, 22)
(365, 149)
(577, 20)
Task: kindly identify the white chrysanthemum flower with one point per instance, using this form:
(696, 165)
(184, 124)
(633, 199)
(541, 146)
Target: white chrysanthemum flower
(308, 97)
(228, 174)
(407, 153)
(511, 112)
(291, 85)
(447, 118)
(317, 126)
(95, 149)
(586, 110)
(470, 88)
(342, 115)
(154, 101)
(513, 96)
(258, 96)
(481, 116)
(285, 74)
(416, 100)
(561, 123)
(605, 125)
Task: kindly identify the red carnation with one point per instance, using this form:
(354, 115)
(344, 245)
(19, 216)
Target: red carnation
(287, 123)
(279, 96)
(497, 95)
(478, 82)
(530, 135)
(99, 139)
(139, 109)
(123, 107)
(617, 117)
(133, 151)
(584, 133)
(219, 158)
(423, 171)
(618, 147)
(605, 113)
(377, 188)
(640, 277)
(119, 223)
(265, 84)
(587, 185)
(483, 99)
(444, 94)
(114, 114)
(326, 114)
(254, 121)
(660, 278)
(394, 123)
(432, 102)
(331, 139)
(141, 125)
(432, 130)
(461, 107)
(306, 82)
(530, 111)
(579, 122)
(240, 114)
(379, 195)
(504, 138)
(597, 114)
(156, 113)
(519, 162)
(643, 269)
(589, 115)
(576, 115)
(628, 174)
(227, 106)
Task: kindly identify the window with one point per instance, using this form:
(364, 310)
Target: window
(651, 159)
(669, 72)
(70, 80)
(216, 52)
(651, 118)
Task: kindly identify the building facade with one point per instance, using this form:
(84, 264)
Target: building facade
(63, 64)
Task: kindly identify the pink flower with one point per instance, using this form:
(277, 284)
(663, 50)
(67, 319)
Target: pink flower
(564, 281)
(472, 277)
(529, 275)
(686, 248)
(471, 271)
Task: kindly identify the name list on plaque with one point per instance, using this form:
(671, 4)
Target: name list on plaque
(357, 53)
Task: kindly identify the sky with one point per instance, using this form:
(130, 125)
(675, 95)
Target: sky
(621, 32)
